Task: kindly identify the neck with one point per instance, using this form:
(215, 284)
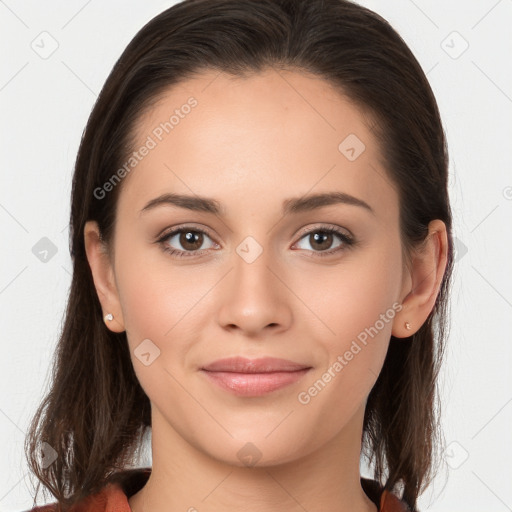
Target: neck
(184, 478)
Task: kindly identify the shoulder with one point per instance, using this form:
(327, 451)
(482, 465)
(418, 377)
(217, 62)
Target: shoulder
(110, 498)
(122, 485)
(384, 500)
(52, 507)
(391, 503)
(113, 497)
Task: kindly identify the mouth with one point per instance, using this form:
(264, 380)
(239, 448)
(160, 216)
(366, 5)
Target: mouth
(257, 377)
(261, 365)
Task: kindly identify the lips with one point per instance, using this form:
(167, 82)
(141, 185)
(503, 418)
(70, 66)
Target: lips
(261, 365)
(254, 377)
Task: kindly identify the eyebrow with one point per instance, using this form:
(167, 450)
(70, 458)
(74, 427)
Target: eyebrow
(290, 206)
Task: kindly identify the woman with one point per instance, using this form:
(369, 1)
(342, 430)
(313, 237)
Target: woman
(262, 249)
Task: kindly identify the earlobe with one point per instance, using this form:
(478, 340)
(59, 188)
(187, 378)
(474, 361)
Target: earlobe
(426, 274)
(103, 276)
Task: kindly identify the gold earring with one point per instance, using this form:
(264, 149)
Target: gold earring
(407, 325)
(109, 317)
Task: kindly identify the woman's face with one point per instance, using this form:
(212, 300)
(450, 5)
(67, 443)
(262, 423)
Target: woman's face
(264, 280)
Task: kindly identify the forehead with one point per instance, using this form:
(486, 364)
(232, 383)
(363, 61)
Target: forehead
(273, 135)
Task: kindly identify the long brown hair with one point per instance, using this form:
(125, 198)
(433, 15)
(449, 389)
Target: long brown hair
(96, 413)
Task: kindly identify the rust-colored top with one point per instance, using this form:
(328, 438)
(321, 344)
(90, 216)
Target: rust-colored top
(114, 496)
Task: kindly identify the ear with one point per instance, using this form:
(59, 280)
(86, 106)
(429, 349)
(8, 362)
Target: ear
(103, 275)
(423, 281)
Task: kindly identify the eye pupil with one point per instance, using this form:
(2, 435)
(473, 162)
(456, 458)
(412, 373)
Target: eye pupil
(319, 237)
(193, 238)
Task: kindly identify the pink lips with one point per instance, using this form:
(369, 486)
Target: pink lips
(254, 377)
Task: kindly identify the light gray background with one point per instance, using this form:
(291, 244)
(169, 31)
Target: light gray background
(45, 101)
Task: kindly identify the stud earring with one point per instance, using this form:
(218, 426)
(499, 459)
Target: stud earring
(407, 325)
(108, 317)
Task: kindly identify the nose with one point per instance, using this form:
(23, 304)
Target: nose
(253, 297)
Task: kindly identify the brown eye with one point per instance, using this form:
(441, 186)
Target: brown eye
(191, 240)
(187, 242)
(321, 239)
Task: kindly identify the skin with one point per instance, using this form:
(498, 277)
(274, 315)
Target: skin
(250, 144)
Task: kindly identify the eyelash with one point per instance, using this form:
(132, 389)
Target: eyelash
(348, 241)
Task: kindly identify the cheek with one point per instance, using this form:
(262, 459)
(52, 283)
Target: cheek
(164, 308)
(356, 308)
(155, 293)
(346, 300)
(361, 317)
(158, 303)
